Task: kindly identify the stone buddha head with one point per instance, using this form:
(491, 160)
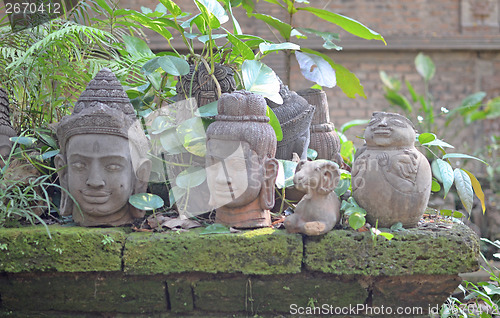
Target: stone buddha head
(389, 130)
(6, 130)
(103, 155)
(241, 168)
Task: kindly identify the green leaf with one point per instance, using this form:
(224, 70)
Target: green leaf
(316, 69)
(216, 228)
(399, 100)
(192, 134)
(473, 100)
(477, 189)
(492, 109)
(275, 123)
(347, 151)
(463, 185)
(260, 79)
(269, 47)
(286, 172)
(160, 124)
(136, 47)
(243, 49)
(191, 177)
(49, 140)
(425, 66)
(462, 156)
(342, 187)
(283, 28)
(214, 8)
(328, 37)
(353, 123)
(175, 194)
(443, 171)
(171, 143)
(207, 110)
(26, 141)
(397, 226)
(172, 7)
(346, 80)
(151, 66)
(357, 220)
(348, 24)
(414, 95)
(438, 143)
(436, 187)
(355, 209)
(388, 236)
(452, 213)
(174, 65)
(390, 82)
(146, 201)
(50, 154)
(426, 137)
(312, 154)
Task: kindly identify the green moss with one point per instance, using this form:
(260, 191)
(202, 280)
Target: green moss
(71, 249)
(272, 252)
(425, 250)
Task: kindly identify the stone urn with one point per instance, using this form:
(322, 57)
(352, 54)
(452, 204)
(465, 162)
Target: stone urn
(391, 179)
(324, 139)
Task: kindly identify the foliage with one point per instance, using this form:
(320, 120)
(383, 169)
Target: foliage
(420, 108)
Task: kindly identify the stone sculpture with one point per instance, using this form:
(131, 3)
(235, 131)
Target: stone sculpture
(103, 155)
(391, 179)
(319, 210)
(200, 85)
(294, 115)
(324, 139)
(6, 130)
(240, 164)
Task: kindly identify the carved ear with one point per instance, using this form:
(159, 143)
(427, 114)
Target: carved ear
(66, 205)
(330, 177)
(267, 191)
(142, 174)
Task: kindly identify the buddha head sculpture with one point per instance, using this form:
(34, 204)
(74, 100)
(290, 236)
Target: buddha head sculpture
(295, 116)
(391, 179)
(240, 164)
(6, 130)
(103, 155)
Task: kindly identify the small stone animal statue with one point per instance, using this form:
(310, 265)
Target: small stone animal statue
(319, 210)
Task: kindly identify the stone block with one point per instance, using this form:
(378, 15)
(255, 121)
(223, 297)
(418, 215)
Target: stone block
(277, 294)
(435, 249)
(262, 251)
(71, 249)
(84, 292)
(180, 295)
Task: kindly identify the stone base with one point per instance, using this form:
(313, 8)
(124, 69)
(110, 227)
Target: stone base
(88, 272)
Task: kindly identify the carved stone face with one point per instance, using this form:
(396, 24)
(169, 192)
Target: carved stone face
(234, 173)
(5, 148)
(100, 173)
(389, 131)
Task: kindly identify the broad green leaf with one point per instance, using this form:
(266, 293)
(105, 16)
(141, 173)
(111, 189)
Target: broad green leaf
(236, 24)
(175, 194)
(174, 65)
(463, 185)
(438, 143)
(191, 177)
(425, 66)
(462, 156)
(50, 154)
(397, 226)
(357, 220)
(283, 28)
(192, 134)
(399, 100)
(160, 124)
(328, 37)
(388, 236)
(26, 141)
(171, 143)
(355, 209)
(414, 95)
(455, 214)
(260, 79)
(207, 110)
(286, 172)
(151, 66)
(316, 69)
(146, 201)
(342, 187)
(477, 189)
(390, 82)
(242, 48)
(269, 47)
(492, 109)
(49, 140)
(312, 154)
(435, 186)
(473, 100)
(275, 123)
(172, 7)
(443, 171)
(215, 8)
(136, 47)
(347, 151)
(346, 23)
(346, 80)
(353, 123)
(426, 137)
(215, 228)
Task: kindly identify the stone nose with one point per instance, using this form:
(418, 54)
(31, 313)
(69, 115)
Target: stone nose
(95, 177)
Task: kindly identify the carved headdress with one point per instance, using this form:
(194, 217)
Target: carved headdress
(5, 124)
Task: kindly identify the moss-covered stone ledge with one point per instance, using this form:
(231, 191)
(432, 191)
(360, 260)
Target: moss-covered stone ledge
(84, 272)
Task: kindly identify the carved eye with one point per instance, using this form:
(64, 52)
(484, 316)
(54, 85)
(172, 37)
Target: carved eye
(114, 167)
(397, 123)
(78, 165)
(374, 121)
